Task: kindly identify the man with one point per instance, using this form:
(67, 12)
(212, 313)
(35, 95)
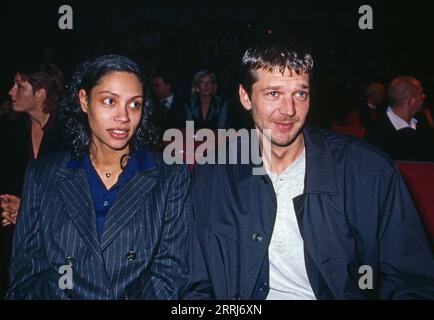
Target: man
(373, 107)
(167, 108)
(34, 133)
(398, 133)
(331, 219)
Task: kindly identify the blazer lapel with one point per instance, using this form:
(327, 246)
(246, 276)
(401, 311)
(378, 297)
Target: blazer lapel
(75, 192)
(129, 201)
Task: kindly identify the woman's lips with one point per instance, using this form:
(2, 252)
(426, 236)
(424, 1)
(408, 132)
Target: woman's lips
(118, 133)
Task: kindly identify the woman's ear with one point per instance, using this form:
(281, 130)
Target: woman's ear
(41, 94)
(82, 97)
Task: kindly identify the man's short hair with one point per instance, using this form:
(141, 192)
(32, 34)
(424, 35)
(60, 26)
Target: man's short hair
(166, 76)
(270, 57)
(44, 76)
(401, 88)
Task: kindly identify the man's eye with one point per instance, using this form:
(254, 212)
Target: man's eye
(135, 105)
(302, 94)
(108, 101)
(273, 94)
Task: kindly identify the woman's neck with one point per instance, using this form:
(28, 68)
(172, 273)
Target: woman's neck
(205, 100)
(39, 118)
(104, 157)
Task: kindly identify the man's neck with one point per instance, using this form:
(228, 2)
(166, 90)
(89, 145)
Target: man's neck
(167, 96)
(281, 158)
(403, 113)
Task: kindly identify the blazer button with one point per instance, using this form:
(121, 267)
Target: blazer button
(263, 286)
(69, 260)
(257, 237)
(237, 297)
(131, 255)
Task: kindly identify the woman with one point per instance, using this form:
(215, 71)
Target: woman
(205, 108)
(33, 133)
(34, 96)
(105, 220)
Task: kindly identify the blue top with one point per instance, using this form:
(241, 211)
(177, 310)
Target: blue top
(103, 198)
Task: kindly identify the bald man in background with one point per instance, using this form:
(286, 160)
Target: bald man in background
(397, 132)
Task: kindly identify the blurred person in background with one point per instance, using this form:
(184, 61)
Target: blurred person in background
(35, 133)
(205, 108)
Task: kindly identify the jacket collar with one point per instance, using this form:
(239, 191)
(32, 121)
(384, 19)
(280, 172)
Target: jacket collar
(75, 191)
(320, 168)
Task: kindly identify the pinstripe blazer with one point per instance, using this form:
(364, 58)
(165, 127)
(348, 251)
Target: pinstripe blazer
(142, 253)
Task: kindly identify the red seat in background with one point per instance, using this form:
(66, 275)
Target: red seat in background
(354, 130)
(419, 177)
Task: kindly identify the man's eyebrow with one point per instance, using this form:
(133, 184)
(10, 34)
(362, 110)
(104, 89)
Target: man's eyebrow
(271, 88)
(301, 86)
(305, 86)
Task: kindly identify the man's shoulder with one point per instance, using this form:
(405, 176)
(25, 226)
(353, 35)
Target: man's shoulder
(381, 126)
(353, 148)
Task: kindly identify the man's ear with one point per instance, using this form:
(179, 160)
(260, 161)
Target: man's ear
(244, 98)
(82, 97)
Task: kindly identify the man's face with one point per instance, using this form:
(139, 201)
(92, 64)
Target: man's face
(418, 98)
(161, 89)
(22, 96)
(279, 102)
(380, 96)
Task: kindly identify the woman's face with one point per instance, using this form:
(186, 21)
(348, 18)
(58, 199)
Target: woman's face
(114, 109)
(206, 86)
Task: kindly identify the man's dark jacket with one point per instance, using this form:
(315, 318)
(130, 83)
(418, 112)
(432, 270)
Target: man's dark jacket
(355, 211)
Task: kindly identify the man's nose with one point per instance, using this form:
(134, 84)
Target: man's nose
(288, 106)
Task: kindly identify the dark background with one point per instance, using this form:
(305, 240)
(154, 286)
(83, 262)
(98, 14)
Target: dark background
(184, 36)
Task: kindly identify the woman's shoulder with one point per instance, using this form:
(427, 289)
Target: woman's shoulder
(220, 101)
(52, 161)
(165, 166)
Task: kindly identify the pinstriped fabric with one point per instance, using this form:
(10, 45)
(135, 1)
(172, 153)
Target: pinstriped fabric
(143, 249)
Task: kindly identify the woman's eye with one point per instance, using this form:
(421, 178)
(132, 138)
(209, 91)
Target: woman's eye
(108, 101)
(135, 104)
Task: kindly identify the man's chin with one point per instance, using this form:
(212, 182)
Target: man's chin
(285, 141)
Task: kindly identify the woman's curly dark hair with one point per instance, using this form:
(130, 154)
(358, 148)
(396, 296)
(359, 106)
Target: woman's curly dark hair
(74, 120)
